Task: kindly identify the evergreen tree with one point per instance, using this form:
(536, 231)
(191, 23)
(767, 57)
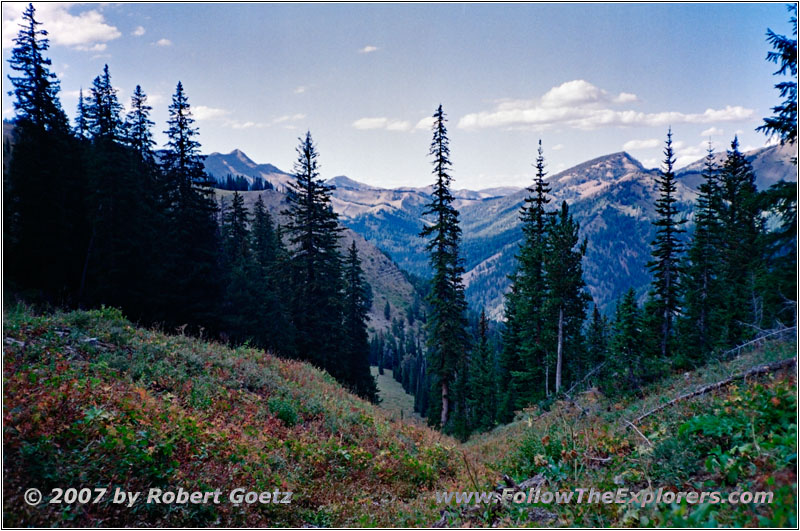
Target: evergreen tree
(627, 364)
(699, 324)
(596, 343)
(740, 253)
(356, 344)
(103, 113)
(138, 126)
(783, 122)
(44, 229)
(482, 397)
(531, 288)
(780, 284)
(509, 357)
(666, 249)
(36, 87)
(271, 291)
(446, 324)
(239, 309)
(314, 234)
(82, 119)
(566, 297)
(189, 281)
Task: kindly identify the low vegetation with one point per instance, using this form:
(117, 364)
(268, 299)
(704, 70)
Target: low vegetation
(92, 401)
(737, 438)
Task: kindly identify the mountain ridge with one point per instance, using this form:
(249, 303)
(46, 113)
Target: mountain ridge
(611, 196)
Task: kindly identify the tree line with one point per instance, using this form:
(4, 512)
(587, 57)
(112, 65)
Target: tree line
(95, 215)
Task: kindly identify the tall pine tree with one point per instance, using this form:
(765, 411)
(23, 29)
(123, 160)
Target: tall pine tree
(666, 250)
(446, 325)
(44, 229)
(699, 323)
(314, 234)
(190, 280)
(530, 289)
(741, 253)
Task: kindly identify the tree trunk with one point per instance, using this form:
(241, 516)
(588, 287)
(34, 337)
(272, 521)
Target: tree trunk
(546, 378)
(560, 347)
(445, 403)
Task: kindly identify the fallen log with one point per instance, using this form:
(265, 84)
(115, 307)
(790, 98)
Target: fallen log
(755, 371)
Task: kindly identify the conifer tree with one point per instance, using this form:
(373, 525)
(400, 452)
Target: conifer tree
(358, 300)
(741, 253)
(314, 234)
(666, 250)
(627, 366)
(531, 287)
(446, 324)
(780, 284)
(190, 276)
(35, 87)
(596, 343)
(271, 290)
(82, 119)
(509, 356)
(138, 126)
(566, 297)
(239, 309)
(699, 324)
(783, 121)
(104, 110)
(482, 397)
(44, 229)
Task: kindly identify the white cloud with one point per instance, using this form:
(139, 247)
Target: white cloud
(625, 97)
(688, 154)
(425, 124)
(236, 124)
(288, 118)
(557, 147)
(640, 144)
(301, 89)
(163, 42)
(370, 123)
(138, 32)
(368, 49)
(83, 31)
(580, 105)
(202, 112)
(382, 123)
(580, 92)
(99, 47)
(712, 131)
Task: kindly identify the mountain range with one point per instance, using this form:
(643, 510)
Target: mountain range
(612, 198)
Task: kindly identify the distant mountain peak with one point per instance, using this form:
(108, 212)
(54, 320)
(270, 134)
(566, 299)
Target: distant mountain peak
(342, 181)
(241, 156)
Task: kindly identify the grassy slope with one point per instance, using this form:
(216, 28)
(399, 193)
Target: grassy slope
(90, 400)
(394, 399)
(742, 437)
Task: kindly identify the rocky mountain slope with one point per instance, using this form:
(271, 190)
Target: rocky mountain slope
(611, 196)
(389, 284)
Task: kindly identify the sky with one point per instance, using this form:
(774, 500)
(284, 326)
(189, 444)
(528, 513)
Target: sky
(364, 79)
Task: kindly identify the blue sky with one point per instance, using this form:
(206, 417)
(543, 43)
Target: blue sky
(588, 79)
